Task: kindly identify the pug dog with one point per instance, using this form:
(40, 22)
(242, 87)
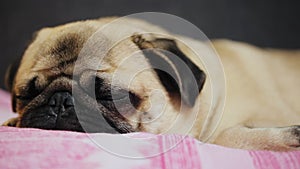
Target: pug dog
(153, 82)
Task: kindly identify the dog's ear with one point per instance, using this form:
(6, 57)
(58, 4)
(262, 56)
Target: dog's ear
(178, 74)
(13, 68)
(10, 74)
(10, 78)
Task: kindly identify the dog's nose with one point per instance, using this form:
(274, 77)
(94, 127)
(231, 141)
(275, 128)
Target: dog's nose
(60, 101)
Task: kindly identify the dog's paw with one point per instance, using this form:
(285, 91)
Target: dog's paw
(291, 137)
(11, 122)
(294, 137)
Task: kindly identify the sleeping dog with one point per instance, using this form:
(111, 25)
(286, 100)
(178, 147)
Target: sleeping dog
(126, 91)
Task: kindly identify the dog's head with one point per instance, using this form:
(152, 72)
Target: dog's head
(139, 85)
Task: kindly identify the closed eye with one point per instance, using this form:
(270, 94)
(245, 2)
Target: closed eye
(30, 91)
(108, 92)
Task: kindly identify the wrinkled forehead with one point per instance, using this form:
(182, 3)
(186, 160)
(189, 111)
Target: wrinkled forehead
(53, 45)
(56, 48)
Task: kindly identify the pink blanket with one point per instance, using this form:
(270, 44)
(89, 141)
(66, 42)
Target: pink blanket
(34, 148)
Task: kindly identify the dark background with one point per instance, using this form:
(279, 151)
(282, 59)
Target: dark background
(266, 23)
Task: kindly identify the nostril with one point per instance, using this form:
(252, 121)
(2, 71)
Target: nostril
(69, 102)
(61, 100)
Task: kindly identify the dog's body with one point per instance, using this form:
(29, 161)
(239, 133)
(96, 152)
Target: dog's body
(261, 102)
(261, 95)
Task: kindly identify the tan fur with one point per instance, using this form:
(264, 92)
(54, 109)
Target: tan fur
(261, 93)
(262, 85)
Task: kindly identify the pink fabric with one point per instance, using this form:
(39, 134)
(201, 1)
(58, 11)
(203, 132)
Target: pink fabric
(35, 148)
(5, 107)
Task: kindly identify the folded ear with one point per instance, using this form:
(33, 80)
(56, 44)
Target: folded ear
(10, 78)
(178, 74)
(10, 74)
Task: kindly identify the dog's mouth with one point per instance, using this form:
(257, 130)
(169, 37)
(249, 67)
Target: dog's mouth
(77, 110)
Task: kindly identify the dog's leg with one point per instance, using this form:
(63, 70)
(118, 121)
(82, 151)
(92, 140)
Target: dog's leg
(11, 122)
(278, 139)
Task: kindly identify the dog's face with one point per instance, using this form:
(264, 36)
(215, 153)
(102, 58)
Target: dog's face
(126, 92)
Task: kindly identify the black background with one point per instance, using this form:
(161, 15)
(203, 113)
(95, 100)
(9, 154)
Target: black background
(266, 23)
